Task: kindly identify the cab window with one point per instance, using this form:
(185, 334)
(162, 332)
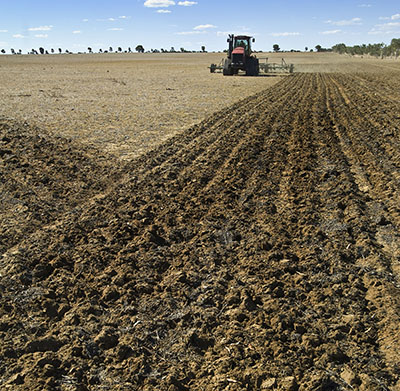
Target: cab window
(241, 42)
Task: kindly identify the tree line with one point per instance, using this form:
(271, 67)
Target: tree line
(375, 49)
(41, 50)
(139, 49)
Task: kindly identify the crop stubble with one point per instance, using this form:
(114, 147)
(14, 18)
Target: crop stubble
(256, 250)
(123, 104)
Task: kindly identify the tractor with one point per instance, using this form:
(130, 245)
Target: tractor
(240, 56)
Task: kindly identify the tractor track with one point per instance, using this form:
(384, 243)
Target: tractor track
(257, 250)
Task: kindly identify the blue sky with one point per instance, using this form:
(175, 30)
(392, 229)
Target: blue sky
(78, 24)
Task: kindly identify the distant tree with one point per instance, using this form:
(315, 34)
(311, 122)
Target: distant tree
(3, 51)
(52, 50)
(12, 51)
(340, 48)
(110, 49)
(59, 50)
(41, 50)
(183, 50)
(172, 49)
(100, 50)
(129, 50)
(276, 48)
(203, 49)
(139, 49)
(19, 51)
(318, 48)
(306, 49)
(120, 49)
(90, 50)
(395, 47)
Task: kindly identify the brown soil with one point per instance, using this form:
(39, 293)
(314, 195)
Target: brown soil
(123, 104)
(257, 250)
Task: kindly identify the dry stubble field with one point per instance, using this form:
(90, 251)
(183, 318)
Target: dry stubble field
(122, 103)
(255, 250)
(128, 103)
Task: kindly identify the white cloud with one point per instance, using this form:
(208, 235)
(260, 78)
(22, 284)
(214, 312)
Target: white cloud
(111, 19)
(164, 11)
(115, 29)
(386, 28)
(41, 35)
(158, 3)
(187, 3)
(41, 28)
(365, 5)
(77, 32)
(204, 26)
(349, 22)
(18, 36)
(3, 31)
(85, 20)
(285, 34)
(191, 32)
(393, 17)
(124, 17)
(331, 32)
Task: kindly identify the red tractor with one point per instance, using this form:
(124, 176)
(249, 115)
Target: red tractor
(239, 56)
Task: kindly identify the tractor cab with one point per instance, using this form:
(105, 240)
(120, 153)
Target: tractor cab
(237, 42)
(244, 42)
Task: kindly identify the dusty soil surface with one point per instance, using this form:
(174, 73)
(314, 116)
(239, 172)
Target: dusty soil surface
(120, 103)
(257, 250)
(43, 177)
(124, 104)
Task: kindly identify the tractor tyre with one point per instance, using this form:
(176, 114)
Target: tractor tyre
(252, 68)
(228, 70)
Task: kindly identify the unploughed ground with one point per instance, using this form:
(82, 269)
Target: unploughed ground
(124, 104)
(257, 250)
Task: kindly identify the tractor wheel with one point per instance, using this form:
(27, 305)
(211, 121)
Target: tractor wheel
(256, 67)
(252, 68)
(228, 70)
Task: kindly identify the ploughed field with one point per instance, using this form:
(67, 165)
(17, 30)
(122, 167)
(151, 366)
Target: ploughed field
(257, 250)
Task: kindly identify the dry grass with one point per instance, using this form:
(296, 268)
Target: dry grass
(128, 103)
(124, 103)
